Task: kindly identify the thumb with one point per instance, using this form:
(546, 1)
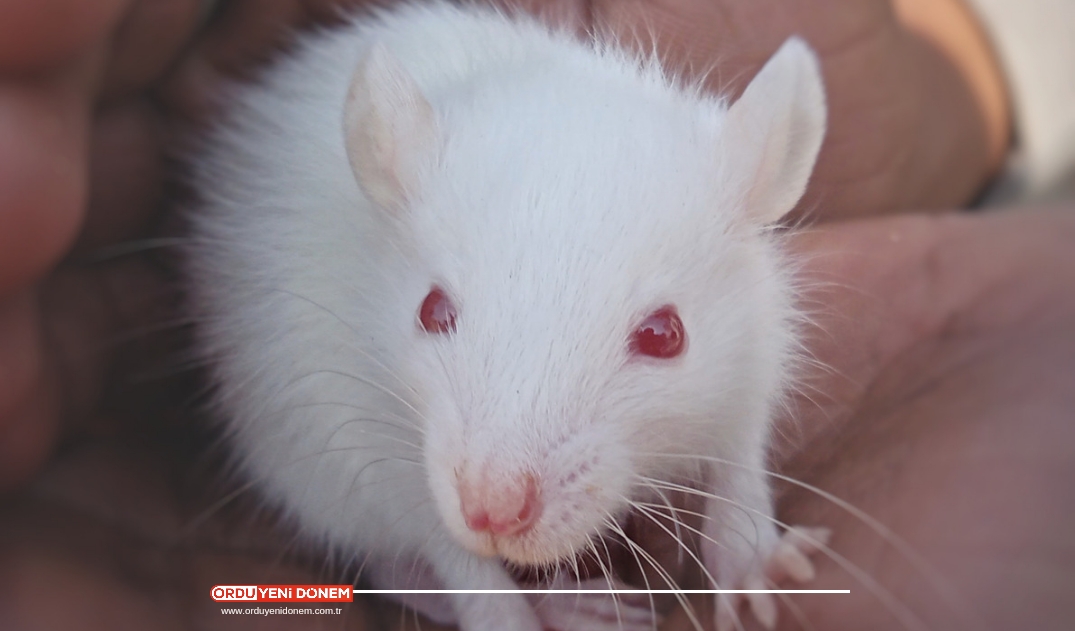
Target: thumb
(875, 290)
(40, 33)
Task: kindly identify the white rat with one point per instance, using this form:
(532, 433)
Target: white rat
(468, 285)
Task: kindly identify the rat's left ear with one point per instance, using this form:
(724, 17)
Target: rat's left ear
(775, 131)
(389, 129)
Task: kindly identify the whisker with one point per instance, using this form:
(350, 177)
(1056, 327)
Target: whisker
(611, 582)
(645, 576)
(365, 380)
(649, 514)
(364, 352)
(735, 617)
(201, 518)
(409, 426)
(688, 609)
(657, 507)
(937, 582)
(401, 517)
(675, 520)
(694, 557)
(128, 248)
(795, 610)
(900, 611)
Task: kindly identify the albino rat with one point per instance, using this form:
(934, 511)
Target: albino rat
(469, 285)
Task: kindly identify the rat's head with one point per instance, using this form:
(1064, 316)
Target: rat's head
(590, 286)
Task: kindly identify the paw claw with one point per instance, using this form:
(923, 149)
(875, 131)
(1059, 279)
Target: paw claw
(791, 556)
(788, 558)
(764, 608)
(727, 618)
(791, 561)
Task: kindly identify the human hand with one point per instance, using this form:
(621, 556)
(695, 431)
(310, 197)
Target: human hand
(53, 71)
(918, 114)
(91, 97)
(943, 412)
(90, 94)
(945, 416)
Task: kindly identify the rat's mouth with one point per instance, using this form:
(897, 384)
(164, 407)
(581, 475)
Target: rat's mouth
(538, 547)
(634, 544)
(611, 552)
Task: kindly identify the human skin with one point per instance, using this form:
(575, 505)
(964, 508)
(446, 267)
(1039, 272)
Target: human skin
(949, 422)
(91, 93)
(949, 342)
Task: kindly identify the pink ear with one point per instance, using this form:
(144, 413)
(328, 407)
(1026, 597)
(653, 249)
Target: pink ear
(776, 127)
(389, 129)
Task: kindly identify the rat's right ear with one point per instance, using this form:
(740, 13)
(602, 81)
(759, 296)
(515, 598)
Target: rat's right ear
(389, 129)
(775, 129)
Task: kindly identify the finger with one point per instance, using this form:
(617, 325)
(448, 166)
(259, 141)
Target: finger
(876, 289)
(107, 330)
(40, 33)
(43, 139)
(126, 175)
(102, 531)
(871, 82)
(147, 42)
(27, 416)
(696, 38)
(241, 38)
(727, 42)
(330, 11)
(870, 295)
(968, 424)
(952, 28)
(62, 344)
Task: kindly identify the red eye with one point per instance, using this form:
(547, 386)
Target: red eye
(437, 314)
(660, 335)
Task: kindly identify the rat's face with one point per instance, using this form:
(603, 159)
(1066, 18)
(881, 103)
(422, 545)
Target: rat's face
(581, 320)
(544, 416)
(591, 299)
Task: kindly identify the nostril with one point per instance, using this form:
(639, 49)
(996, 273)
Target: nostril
(509, 508)
(525, 515)
(478, 521)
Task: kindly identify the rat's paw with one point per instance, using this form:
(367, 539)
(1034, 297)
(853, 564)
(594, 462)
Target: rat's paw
(417, 575)
(789, 558)
(595, 612)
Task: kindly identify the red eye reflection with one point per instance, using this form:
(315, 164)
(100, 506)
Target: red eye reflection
(660, 335)
(437, 314)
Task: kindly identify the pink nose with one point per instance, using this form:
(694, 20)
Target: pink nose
(501, 507)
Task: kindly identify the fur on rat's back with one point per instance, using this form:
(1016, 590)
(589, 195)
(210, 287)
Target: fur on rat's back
(573, 193)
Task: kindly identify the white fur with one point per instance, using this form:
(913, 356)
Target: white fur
(572, 189)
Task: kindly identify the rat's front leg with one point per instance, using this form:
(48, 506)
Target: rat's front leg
(743, 548)
(448, 567)
(458, 569)
(574, 611)
(566, 611)
(560, 611)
